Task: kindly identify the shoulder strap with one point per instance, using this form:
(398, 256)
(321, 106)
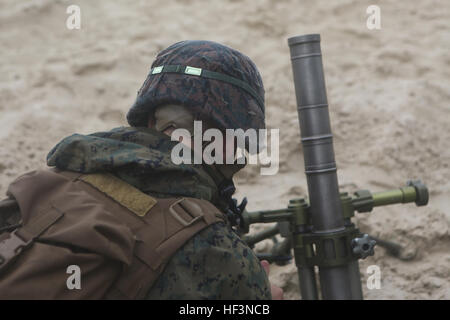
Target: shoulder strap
(167, 224)
(9, 215)
(170, 224)
(23, 236)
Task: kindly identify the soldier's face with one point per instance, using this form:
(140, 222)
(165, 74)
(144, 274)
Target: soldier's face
(229, 147)
(168, 131)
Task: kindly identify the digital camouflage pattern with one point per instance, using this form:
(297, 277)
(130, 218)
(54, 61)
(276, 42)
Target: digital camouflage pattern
(226, 105)
(215, 263)
(140, 156)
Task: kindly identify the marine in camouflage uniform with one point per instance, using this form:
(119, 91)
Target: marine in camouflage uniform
(215, 263)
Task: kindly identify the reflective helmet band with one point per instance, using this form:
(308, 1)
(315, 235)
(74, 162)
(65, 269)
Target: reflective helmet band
(209, 75)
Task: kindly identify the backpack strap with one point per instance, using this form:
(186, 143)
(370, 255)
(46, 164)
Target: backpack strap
(24, 236)
(9, 215)
(170, 224)
(164, 226)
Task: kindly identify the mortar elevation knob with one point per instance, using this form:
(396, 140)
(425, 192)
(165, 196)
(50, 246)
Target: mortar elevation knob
(363, 246)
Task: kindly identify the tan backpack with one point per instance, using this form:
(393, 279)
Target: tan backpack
(119, 238)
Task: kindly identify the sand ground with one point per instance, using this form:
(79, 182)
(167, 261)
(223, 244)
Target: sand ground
(388, 90)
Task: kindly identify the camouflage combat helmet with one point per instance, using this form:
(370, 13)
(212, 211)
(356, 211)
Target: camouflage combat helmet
(215, 82)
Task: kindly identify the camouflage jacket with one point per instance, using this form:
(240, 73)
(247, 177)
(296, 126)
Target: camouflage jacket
(215, 263)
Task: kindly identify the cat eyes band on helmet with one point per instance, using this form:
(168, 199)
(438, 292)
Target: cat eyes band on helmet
(209, 75)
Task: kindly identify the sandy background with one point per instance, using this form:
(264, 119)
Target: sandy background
(388, 91)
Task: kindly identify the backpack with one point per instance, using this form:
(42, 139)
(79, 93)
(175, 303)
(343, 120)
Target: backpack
(117, 238)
